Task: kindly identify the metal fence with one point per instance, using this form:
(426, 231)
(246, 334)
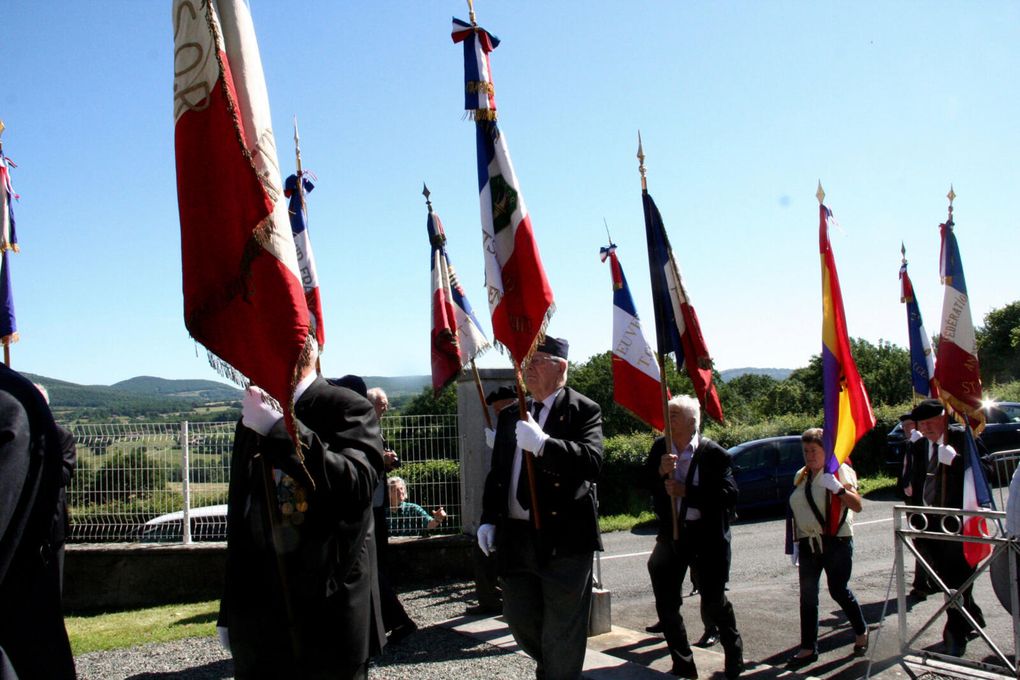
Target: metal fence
(138, 482)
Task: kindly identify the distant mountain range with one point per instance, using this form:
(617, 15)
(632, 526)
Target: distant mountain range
(777, 373)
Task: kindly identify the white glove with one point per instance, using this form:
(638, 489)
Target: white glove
(915, 435)
(946, 454)
(487, 538)
(830, 482)
(530, 436)
(795, 555)
(490, 437)
(256, 414)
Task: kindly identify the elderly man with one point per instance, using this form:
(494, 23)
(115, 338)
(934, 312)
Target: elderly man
(695, 475)
(546, 572)
(301, 597)
(937, 481)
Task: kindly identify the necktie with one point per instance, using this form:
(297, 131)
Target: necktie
(931, 479)
(523, 492)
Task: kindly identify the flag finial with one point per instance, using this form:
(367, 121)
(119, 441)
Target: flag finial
(951, 195)
(297, 154)
(641, 162)
(820, 194)
(426, 193)
(903, 252)
(607, 231)
(471, 13)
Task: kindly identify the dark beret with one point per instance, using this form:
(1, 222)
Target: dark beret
(907, 416)
(500, 394)
(351, 382)
(554, 346)
(929, 408)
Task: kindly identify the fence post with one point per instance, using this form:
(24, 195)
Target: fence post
(185, 485)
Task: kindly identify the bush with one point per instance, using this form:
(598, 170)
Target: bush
(126, 475)
(620, 489)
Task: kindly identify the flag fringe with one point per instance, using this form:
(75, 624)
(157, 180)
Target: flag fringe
(7, 245)
(482, 115)
(956, 407)
(8, 340)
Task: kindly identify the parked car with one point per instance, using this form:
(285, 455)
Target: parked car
(208, 523)
(1001, 433)
(764, 471)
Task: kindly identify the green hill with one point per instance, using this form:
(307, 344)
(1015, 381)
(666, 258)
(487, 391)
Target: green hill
(777, 373)
(204, 390)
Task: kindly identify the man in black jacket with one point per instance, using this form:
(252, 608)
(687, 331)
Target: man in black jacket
(696, 476)
(937, 478)
(301, 597)
(546, 571)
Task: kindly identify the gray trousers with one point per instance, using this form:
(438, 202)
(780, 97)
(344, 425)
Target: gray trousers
(546, 605)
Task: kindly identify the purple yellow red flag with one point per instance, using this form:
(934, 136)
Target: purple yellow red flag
(957, 373)
(457, 337)
(848, 415)
(520, 298)
(637, 385)
(243, 298)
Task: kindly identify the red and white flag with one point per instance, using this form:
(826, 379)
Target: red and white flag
(243, 298)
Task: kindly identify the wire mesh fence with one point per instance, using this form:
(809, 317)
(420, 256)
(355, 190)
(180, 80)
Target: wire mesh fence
(136, 482)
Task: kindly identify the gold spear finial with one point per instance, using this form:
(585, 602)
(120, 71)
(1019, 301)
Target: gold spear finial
(2, 127)
(426, 193)
(903, 252)
(820, 193)
(951, 195)
(641, 162)
(471, 13)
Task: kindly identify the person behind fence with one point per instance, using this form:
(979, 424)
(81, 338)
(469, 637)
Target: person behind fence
(937, 481)
(823, 506)
(546, 572)
(33, 640)
(695, 476)
(300, 596)
(406, 518)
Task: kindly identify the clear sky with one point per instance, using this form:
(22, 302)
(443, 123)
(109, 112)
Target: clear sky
(743, 107)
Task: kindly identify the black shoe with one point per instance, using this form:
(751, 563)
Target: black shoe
(708, 638)
(954, 646)
(401, 632)
(482, 610)
(918, 594)
(684, 667)
(795, 661)
(655, 627)
(734, 667)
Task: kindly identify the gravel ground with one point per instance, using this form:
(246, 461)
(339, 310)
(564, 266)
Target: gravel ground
(433, 653)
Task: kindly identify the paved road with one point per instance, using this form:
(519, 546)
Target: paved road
(763, 589)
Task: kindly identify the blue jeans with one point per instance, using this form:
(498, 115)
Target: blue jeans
(836, 560)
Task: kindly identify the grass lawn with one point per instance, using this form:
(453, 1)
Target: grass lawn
(100, 632)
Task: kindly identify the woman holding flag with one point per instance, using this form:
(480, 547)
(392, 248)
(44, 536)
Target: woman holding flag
(823, 506)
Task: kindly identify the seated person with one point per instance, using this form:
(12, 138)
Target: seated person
(409, 519)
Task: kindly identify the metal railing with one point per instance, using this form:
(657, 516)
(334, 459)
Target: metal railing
(167, 482)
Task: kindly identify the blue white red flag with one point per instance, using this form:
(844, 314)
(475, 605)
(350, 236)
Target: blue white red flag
(957, 373)
(637, 385)
(848, 415)
(520, 298)
(8, 325)
(298, 212)
(677, 328)
(243, 298)
(457, 337)
(922, 361)
(976, 495)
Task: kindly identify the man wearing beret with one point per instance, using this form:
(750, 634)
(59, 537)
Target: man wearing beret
(937, 481)
(547, 572)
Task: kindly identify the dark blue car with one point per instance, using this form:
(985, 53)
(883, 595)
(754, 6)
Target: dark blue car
(764, 470)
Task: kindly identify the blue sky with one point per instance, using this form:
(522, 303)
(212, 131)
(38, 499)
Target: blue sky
(743, 107)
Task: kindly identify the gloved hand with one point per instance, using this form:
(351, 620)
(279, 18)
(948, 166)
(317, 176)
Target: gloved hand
(946, 454)
(530, 436)
(831, 483)
(490, 437)
(487, 538)
(256, 414)
(915, 435)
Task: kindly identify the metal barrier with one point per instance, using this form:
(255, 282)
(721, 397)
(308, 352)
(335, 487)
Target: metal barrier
(945, 525)
(167, 482)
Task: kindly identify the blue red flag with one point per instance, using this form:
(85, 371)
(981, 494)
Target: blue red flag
(297, 209)
(457, 337)
(677, 328)
(848, 415)
(637, 385)
(957, 373)
(520, 298)
(922, 362)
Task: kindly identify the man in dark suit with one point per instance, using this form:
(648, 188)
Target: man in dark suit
(33, 640)
(546, 572)
(696, 476)
(301, 597)
(937, 481)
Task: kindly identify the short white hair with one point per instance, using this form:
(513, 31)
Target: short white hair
(376, 394)
(396, 481)
(42, 389)
(688, 406)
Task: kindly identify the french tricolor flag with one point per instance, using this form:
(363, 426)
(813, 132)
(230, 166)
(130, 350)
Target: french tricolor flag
(976, 496)
(637, 386)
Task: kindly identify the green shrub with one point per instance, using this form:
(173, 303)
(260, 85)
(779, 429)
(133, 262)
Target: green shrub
(126, 475)
(620, 488)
